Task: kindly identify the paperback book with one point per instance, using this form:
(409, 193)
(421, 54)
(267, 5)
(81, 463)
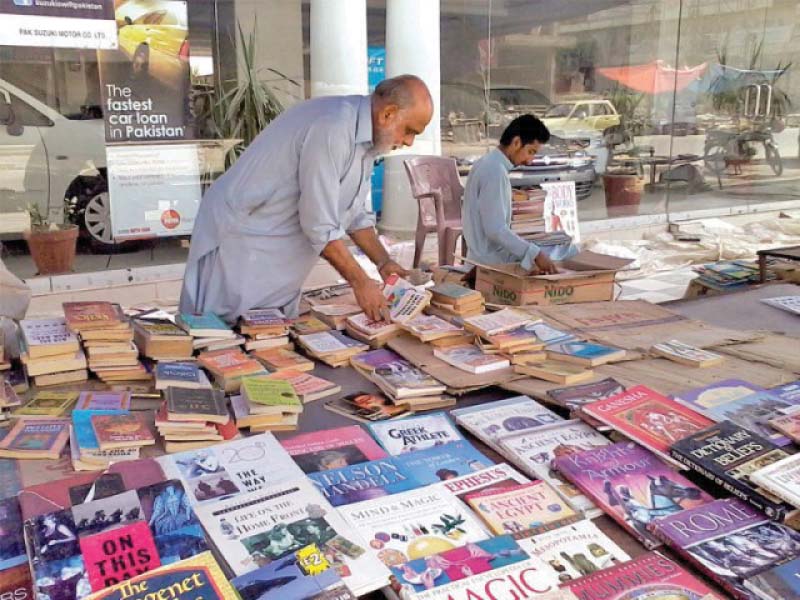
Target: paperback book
(367, 408)
(588, 354)
(492, 477)
(782, 479)
(687, 355)
(180, 375)
(400, 379)
(36, 439)
(441, 463)
(632, 485)
(122, 430)
(363, 481)
(555, 371)
(498, 322)
(779, 583)
(281, 359)
(789, 392)
(47, 337)
(729, 541)
(492, 422)
(103, 401)
(270, 396)
(12, 546)
(534, 451)
(419, 432)
(728, 455)
(47, 405)
(254, 529)
(404, 300)
(471, 359)
(332, 449)
(196, 405)
(204, 325)
(788, 425)
(578, 395)
(308, 387)
(413, 524)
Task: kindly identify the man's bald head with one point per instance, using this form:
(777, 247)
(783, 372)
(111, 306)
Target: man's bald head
(401, 108)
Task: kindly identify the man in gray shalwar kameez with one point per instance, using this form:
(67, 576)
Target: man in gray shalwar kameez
(294, 193)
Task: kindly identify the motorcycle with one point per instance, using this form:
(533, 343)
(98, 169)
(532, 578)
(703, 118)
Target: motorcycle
(725, 147)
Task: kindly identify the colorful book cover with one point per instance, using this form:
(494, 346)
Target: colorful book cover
(400, 378)
(39, 435)
(273, 393)
(575, 551)
(522, 510)
(47, 332)
(278, 359)
(412, 434)
(16, 583)
(650, 575)
(254, 529)
(788, 425)
(103, 401)
(371, 360)
(161, 328)
(729, 541)
(121, 430)
(332, 449)
(265, 317)
(742, 403)
(648, 418)
(491, 422)
(307, 325)
(363, 481)
(779, 583)
(414, 524)
(196, 578)
(90, 315)
(493, 477)
(207, 321)
(118, 554)
(534, 451)
(235, 467)
(587, 350)
(453, 291)
(367, 408)
(470, 358)
(521, 335)
(789, 392)
(307, 385)
(82, 426)
(303, 575)
(48, 404)
(632, 485)
(442, 462)
(577, 395)
(474, 558)
(183, 372)
(329, 342)
(728, 455)
(12, 540)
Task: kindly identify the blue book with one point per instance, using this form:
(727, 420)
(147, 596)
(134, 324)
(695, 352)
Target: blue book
(364, 481)
(84, 432)
(284, 579)
(779, 583)
(790, 392)
(587, 353)
(442, 462)
(204, 325)
(415, 433)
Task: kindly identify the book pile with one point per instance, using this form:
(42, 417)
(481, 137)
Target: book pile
(190, 419)
(208, 331)
(510, 333)
(456, 300)
(430, 328)
(162, 340)
(489, 324)
(331, 347)
(282, 359)
(227, 367)
(375, 333)
(180, 375)
(107, 337)
(402, 382)
(471, 359)
(333, 316)
(266, 404)
(527, 208)
(265, 328)
(728, 275)
(50, 353)
(86, 453)
(307, 324)
(308, 387)
(550, 238)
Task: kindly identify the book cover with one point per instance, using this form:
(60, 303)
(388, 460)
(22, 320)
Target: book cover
(402, 379)
(363, 481)
(534, 451)
(121, 430)
(790, 392)
(492, 477)
(367, 408)
(196, 578)
(414, 524)
(729, 541)
(328, 342)
(513, 338)
(303, 575)
(103, 401)
(651, 575)
(40, 438)
(275, 394)
(575, 551)
(550, 335)
(48, 404)
(435, 571)
(252, 530)
(577, 395)
(471, 359)
(229, 362)
(176, 373)
(265, 317)
(648, 418)
(781, 478)
(119, 554)
(779, 583)
(160, 329)
(788, 425)
(631, 485)
(208, 323)
(332, 449)
(90, 315)
(308, 324)
(411, 434)
(12, 540)
(585, 351)
(522, 510)
(197, 402)
(239, 466)
(39, 334)
(743, 404)
(497, 322)
(444, 462)
(309, 387)
(424, 325)
(454, 293)
(82, 426)
(16, 583)
(685, 354)
(279, 359)
(728, 455)
(492, 421)
(372, 359)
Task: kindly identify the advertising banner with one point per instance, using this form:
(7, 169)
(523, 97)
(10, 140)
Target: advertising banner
(58, 23)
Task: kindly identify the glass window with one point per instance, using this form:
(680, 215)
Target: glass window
(25, 115)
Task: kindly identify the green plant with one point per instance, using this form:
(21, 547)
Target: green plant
(38, 220)
(626, 102)
(245, 106)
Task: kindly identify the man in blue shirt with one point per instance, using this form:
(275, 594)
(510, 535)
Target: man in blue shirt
(291, 197)
(487, 202)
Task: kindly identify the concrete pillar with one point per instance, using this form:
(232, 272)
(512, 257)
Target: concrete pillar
(412, 46)
(338, 47)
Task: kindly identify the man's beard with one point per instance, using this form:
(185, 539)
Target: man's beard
(382, 143)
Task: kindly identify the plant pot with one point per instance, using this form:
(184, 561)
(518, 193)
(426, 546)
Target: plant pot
(623, 193)
(53, 251)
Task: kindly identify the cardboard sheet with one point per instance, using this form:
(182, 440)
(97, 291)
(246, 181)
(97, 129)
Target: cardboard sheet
(779, 351)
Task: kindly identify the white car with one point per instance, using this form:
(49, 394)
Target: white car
(46, 158)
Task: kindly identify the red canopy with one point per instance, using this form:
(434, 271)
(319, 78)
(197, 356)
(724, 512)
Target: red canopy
(654, 77)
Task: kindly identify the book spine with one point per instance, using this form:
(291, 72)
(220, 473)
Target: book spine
(773, 511)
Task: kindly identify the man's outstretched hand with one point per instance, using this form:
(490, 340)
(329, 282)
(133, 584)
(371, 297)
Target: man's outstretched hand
(390, 267)
(544, 265)
(371, 299)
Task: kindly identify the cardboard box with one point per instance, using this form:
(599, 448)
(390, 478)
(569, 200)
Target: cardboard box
(586, 277)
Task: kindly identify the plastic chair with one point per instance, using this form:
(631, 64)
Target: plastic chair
(436, 186)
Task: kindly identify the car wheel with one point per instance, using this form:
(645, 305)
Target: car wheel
(97, 223)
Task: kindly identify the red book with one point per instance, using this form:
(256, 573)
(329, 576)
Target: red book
(122, 431)
(90, 315)
(648, 418)
(119, 554)
(229, 363)
(16, 583)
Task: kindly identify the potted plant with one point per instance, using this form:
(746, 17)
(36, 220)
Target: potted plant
(52, 246)
(623, 187)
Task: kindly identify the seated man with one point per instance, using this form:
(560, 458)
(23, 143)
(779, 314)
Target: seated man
(487, 203)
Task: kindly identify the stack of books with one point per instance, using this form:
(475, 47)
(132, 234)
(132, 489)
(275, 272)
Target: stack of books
(492, 324)
(84, 445)
(307, 324)
(586, 354)
(266, 404)
(162, 340)
(527, 209)
(374, 333)
(50, 353)
(190, 419)
(457, 300)
(227, 367)
(471, 359)
(331, 347)
(728, 275)
(209, 331)
(308, 387)
(124, 431)
(541, 238)
(180, 375)
(334, 315)
(281, 359)
(430, 328)
(265, 328)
